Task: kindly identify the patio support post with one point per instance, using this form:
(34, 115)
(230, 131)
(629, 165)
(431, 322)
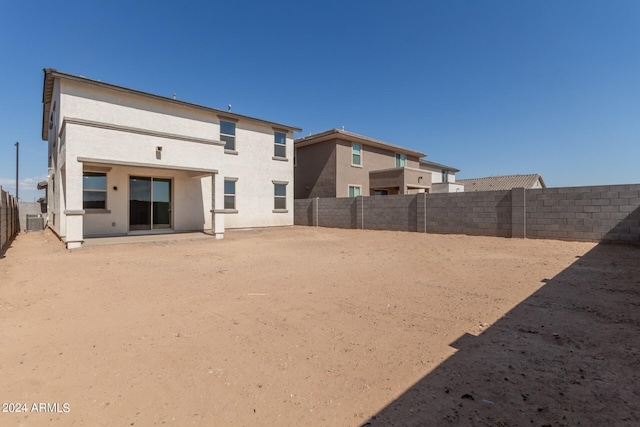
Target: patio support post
(74, 212)
(217, 207)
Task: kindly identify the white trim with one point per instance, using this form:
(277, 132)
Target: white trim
(225, 194)
(144, 165)
(359, 187)
(128, 129)
(151, 230)
(358, 165)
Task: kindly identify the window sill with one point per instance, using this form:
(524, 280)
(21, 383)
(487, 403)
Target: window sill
(280, 211)
(227, 151)
(97, 211)
(281, 159)
(356, 166)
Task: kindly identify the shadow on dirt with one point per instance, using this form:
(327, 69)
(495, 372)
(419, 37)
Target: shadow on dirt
(567, 355)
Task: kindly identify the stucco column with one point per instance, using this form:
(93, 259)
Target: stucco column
(217, 206)
(73, 210)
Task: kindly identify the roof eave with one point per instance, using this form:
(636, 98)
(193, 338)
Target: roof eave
(47, 94)
(439, 165)
(51, 73)
(352, 137)
(542, 181)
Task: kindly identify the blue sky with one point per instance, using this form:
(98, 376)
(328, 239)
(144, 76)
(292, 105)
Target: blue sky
(489, 87)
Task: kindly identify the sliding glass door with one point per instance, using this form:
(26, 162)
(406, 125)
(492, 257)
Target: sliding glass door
(149, 203)
(161, 198)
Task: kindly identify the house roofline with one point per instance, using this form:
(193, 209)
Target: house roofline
(531, 178)
(542, 181)
(439, 165)
(353, 137)
(47, 93)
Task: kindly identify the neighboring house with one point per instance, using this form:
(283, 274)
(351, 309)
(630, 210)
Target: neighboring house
(443, 177)
(122, 161)
(504, 182)
(337, 163)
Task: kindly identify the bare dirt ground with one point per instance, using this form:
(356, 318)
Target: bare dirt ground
(314, 326)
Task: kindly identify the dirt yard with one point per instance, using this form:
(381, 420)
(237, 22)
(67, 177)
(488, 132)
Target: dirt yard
(320, 327)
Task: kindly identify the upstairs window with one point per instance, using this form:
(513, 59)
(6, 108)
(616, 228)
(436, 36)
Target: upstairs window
(228, 135)
(280, 145)
(401, 160)
(94, 190)
(445, 176)
(356, 154)
(354, 190)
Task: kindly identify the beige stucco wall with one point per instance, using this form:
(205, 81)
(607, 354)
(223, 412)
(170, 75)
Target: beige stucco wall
(191, 192)
(109, 125)
(256, 170)
(436, 174)
(372, 159)
(191, 197)
(406, 180)
(90, 102)
(121, 146)
(447, 187)
(56, 167)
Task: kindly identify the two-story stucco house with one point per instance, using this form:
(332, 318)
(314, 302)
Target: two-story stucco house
(337, 163)
(123, 161)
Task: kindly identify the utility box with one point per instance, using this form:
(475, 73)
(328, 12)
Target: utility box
(35, 222)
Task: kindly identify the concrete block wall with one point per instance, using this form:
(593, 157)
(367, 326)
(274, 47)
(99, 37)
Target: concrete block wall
(337, 212)
(485, 213)
(9, 222)
(397, 212)
(29, 209)
(608, 213)
(518, 213)
(304, 212)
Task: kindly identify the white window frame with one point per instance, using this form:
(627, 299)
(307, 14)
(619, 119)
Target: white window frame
(234, 209)
(277, 145)
(359, 154)
(359, 187)
(92, 190)
(228, 135)
(276, 197)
